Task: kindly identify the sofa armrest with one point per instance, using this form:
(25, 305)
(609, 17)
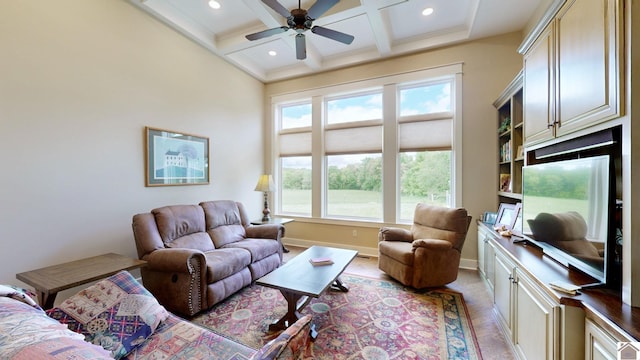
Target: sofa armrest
(290, 344)
(177, 278)
(433, 244)
(266, 231)
(395, 234)
(175, 260)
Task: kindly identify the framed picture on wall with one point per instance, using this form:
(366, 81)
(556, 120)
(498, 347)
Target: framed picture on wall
(175, 158)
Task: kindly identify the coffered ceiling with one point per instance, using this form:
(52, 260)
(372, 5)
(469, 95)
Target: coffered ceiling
(382, 28)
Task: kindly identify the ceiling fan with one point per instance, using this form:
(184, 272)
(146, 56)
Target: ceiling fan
(301, 20)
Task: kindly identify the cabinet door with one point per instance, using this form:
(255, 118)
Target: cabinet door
(599, 345)
(481, 243)
(588, 64)
(489, 262)
(539, 89)
(503, 292)
(535, 319)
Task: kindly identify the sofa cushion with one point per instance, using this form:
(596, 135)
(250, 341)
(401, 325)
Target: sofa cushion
(183, 226)
(259, 248)
(28, 333)
(225, 262)
(223, 221)
(117, 313)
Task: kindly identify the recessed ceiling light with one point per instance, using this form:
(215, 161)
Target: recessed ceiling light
(272, 53)
(427, 11)
(214, 4)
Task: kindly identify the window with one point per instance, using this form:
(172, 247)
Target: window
(295, 186)
(347, 151)
(425, 143)
(353, 147)
(295, 159)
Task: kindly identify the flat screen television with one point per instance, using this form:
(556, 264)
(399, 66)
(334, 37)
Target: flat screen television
(567, 209)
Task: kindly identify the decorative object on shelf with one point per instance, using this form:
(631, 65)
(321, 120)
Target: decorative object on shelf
(505, 182)
(505, 125)
(173, 158)
(520, 153)
(266, 185)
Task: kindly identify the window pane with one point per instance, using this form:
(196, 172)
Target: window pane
(424, 177)
(427, 99)
(295, 197)
(356, 108)
(296, 116)
(354, 186)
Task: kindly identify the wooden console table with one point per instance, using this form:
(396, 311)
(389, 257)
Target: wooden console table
(48, 281)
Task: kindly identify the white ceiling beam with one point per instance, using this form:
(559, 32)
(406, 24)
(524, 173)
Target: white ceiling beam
(379, 27)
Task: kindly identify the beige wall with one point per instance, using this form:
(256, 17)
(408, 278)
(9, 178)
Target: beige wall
(79, 80)
(489, 65)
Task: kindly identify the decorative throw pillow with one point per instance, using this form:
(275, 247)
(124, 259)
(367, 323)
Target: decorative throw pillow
(117, 313)
(289, 344)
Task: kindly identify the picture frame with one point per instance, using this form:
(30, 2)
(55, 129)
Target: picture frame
(520, 153)
(505, 182)
(506, 216)
(175, 158)
(516, 224)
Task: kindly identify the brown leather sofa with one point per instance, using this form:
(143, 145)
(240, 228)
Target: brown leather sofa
(198, 255)
(428, 255)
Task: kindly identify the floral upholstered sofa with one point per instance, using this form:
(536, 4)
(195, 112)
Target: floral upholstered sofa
(118, 318)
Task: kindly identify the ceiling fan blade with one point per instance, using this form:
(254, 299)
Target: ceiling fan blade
(320, 7)
(277, 7)
(333, 35)
(301, 47)
(266, 33)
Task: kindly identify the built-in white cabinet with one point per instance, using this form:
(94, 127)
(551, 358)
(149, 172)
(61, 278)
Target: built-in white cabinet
(534, 322)
(486, 257)
(503, 292)
(537, 320)
(539, 100)
(599, 344)
(572, 71)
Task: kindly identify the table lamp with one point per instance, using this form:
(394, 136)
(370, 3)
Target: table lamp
(265, 184)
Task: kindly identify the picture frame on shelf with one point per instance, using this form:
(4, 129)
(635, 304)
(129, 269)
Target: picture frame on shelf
(520, 153)
(175, 158)
(506, 216)
(516, 224)
(505, 182)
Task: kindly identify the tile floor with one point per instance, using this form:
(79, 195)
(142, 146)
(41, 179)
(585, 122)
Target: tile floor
(492, 343)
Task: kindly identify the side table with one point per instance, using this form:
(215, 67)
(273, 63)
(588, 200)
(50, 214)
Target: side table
(274, 220)
(49, 281)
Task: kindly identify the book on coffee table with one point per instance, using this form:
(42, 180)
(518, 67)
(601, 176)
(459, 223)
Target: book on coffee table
(321, 261)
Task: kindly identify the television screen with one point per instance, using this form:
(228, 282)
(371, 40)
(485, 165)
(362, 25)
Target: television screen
(565, 209)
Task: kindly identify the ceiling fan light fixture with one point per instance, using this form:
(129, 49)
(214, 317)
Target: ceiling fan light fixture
(428, 11)
(214, 4)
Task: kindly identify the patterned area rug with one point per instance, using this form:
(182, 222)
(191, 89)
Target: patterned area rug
(376, 319)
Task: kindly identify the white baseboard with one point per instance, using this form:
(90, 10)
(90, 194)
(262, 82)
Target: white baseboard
(363, 251)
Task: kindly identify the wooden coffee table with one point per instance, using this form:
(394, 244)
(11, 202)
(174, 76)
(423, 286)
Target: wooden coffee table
(299, 281)
(50, 280)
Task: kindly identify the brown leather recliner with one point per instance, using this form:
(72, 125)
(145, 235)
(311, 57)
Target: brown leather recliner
(428, 255)
(198, 255)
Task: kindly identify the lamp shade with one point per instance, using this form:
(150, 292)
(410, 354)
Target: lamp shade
(265, 184)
